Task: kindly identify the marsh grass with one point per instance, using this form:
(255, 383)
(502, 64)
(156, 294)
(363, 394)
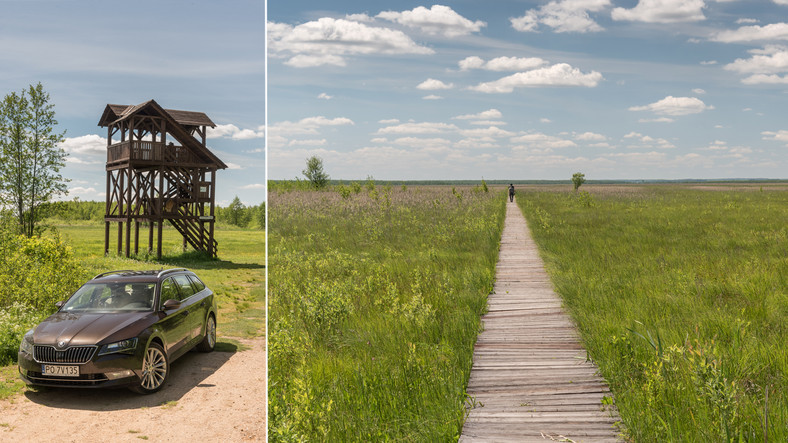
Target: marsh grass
(681, 297)
(375, 299)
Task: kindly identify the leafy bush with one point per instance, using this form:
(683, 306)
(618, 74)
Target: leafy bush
(15, 320)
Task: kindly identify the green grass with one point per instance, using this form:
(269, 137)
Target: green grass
(237, 276)
(681, 297)
(374, 306)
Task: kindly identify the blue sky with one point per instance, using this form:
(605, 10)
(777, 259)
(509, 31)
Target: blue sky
(199, 55)
(617, 89)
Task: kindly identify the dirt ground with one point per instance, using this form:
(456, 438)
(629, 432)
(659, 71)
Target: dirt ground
(215, 397)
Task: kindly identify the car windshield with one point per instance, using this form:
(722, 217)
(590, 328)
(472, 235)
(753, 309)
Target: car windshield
(112, 297)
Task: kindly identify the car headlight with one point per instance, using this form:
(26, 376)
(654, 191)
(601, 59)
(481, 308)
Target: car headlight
(119, 347)
(26, 345)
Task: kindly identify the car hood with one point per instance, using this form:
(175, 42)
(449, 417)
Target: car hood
(88, 328)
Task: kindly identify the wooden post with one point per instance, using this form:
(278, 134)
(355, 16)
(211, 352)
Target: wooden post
(160, 204)
(106, 238)
(120, 238)
(129, 209)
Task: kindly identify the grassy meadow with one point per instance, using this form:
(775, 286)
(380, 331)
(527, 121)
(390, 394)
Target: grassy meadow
(237, 276)
(680, 293)
(375, 297)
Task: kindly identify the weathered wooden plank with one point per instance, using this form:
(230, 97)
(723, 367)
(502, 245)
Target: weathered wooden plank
(531, 379)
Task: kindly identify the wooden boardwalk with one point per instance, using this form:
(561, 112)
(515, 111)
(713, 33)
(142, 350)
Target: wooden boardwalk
(530, 377)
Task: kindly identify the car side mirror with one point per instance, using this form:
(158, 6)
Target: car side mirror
(60, 304)
(171, 304)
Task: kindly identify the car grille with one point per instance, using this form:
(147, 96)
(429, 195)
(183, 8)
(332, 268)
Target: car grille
(82, 380)
(74, 354)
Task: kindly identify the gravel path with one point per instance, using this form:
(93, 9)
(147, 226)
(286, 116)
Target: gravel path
(215, 397)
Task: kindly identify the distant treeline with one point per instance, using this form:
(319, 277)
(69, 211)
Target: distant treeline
(294, 184)
(236, 214)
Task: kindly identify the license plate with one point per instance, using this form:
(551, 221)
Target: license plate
(60, 371)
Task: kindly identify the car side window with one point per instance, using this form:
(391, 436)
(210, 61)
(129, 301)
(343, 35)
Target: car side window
(168, 291)
(184, 285)
(198, 285)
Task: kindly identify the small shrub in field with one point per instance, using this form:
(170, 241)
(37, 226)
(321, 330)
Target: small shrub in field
(37, 272)
(15, 320)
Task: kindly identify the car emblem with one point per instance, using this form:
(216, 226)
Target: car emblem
(61, 344)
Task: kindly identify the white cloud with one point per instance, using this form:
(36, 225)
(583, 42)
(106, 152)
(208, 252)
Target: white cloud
(488, 114)
(562, 16)
(324, 96)
(501, 63)
(675, 106)
(490, 132)
(390, 121)
(662, 11)
(359, 17)
(648, 142)
(309, 125)
(488, 123)
(656, 120)
(307, 142)
(254, 186)
(432, 97)
(539, 140)
(91, 144)
(749, 20)
(83, 191)
(773, 31)
(431, 84)
(708, 62)
(699, 91)
(327, 41)
(418, 142)
(780, 136)
(438, 20)
(763, 65)
(234, 132)
(590, 136)
(233, 166)
(545, 120)
(418, 128)
(560, 74)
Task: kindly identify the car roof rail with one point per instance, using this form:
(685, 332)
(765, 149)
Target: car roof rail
(167, 271)
(112, 272)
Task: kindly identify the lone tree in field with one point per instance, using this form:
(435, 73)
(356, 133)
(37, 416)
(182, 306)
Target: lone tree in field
(578, 178)
(314, 172)
(30, 159)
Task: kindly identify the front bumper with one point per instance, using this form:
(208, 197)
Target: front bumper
(99, 372)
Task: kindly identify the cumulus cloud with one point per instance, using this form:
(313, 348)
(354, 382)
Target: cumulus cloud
(662, 11)
(699, 91)
(254, 186)
(501, 63)
(234, 132)
(418, 128)
(780, 136)
(764, 66)
(431, 84)
(324, 96)
(432, 97)
(640, 141)
(770, 32)
(540, 140)
(560, 74)
(421, 142)
(309, 125)
(488, 114)
(675, 106)
(438, 20)
(562, 16)
(327, 41)
(490, 133)
(590, 136)
(91, 144)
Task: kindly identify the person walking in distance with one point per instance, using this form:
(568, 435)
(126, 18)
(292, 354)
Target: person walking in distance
(511, 192)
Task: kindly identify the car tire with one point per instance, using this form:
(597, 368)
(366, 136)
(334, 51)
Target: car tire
(155, 370)
(209, 341)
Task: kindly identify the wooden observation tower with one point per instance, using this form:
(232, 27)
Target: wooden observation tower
(160, 170)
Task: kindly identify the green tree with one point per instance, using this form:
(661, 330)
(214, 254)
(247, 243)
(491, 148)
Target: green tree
(314, 172)
(578, 178)
(236, 212)
(30, 159)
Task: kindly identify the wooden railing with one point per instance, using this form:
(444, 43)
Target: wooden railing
(149, 151)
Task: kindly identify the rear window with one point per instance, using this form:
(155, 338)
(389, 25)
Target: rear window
(198, 285)
(184, 285)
